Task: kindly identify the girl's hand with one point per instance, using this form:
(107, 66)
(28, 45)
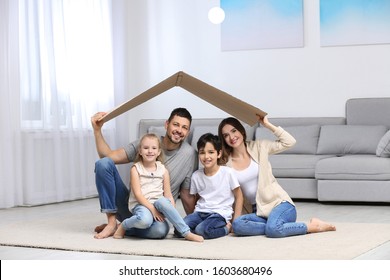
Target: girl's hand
(157, 215)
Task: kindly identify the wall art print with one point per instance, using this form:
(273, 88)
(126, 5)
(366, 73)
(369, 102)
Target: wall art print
(261, 24)
(354, 22)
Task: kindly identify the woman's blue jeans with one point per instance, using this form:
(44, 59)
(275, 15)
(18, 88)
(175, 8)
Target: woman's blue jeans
(281, 222)
(113, 198)
(208, 225)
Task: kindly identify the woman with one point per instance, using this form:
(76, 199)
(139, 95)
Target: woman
(274, 213)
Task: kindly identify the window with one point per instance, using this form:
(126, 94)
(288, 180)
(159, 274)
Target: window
(66, 65)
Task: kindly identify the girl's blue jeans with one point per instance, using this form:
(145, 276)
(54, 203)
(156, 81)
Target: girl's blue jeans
(208, 225)
(281, 222)
(164, 206)
(113, 198)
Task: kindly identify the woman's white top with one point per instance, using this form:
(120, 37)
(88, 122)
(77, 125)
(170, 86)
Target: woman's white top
(248, 181)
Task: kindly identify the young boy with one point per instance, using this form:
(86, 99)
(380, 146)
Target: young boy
(216, 189)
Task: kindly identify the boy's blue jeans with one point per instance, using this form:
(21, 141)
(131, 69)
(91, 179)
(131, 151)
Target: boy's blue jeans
(113, 198)
(208, 225)
(280, 223)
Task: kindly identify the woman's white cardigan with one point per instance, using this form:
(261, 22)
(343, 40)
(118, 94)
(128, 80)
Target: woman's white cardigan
(269, 193)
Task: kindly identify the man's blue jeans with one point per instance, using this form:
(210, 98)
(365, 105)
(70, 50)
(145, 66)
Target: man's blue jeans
(113, 198)
(208, 225)
(281, 222)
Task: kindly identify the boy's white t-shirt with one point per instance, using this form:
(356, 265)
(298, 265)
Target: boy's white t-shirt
(215, 192)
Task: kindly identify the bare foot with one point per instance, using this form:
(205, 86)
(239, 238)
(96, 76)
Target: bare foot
(100, 228)
(317, 225)
(120, 232)
(194, 237)
(108, 231)
(229, 226)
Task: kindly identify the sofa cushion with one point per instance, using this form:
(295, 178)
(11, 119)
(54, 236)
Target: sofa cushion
(301, 121)
(353, 167)
(158, 130)
(306, 136)
(294, 165)
(199, 131)
(350, 139)
(383, 149)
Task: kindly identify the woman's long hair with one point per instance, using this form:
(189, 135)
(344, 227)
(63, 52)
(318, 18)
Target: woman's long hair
(226, 149)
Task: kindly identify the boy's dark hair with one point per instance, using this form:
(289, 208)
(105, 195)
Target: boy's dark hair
(181, 112)
(209, 138)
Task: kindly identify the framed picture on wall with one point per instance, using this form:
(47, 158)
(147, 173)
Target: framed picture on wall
(261, 24)
(354, 22)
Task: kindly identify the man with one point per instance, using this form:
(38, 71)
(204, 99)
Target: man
(179, 158)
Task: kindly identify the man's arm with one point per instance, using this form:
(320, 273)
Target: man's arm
(102, 148)
(188, 199)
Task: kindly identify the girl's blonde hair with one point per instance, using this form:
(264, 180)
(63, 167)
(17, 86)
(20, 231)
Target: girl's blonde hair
(150, 136)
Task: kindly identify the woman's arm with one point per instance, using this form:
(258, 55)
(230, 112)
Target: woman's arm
(285, 140)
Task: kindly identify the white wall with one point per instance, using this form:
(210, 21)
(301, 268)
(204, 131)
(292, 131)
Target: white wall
(164, 37)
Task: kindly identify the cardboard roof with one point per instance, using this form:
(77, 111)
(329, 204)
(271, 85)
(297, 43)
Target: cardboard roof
(234, 106)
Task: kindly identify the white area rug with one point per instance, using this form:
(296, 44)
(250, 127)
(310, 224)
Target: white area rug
(75, 233)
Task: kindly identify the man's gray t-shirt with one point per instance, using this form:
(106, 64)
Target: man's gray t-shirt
(181, 163)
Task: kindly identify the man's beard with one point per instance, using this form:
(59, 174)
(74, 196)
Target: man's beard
(173, 141)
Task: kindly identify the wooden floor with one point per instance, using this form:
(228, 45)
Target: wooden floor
(355, 213)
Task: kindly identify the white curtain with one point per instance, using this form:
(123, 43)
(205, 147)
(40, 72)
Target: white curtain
(10, 156)
(56, 69)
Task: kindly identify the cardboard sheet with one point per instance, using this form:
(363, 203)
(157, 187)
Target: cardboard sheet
(234, 106)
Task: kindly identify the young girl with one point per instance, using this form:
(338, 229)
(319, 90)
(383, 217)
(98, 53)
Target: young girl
(274, 213)
(217, 190)
(150, 197)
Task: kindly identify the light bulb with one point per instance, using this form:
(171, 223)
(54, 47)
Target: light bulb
(216, 15)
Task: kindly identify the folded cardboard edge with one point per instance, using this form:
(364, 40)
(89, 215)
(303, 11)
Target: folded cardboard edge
(230, 104)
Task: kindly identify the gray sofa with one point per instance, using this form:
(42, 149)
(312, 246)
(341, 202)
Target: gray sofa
(345, 159)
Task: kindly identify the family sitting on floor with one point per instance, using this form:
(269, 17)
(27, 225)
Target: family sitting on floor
(235, 172)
